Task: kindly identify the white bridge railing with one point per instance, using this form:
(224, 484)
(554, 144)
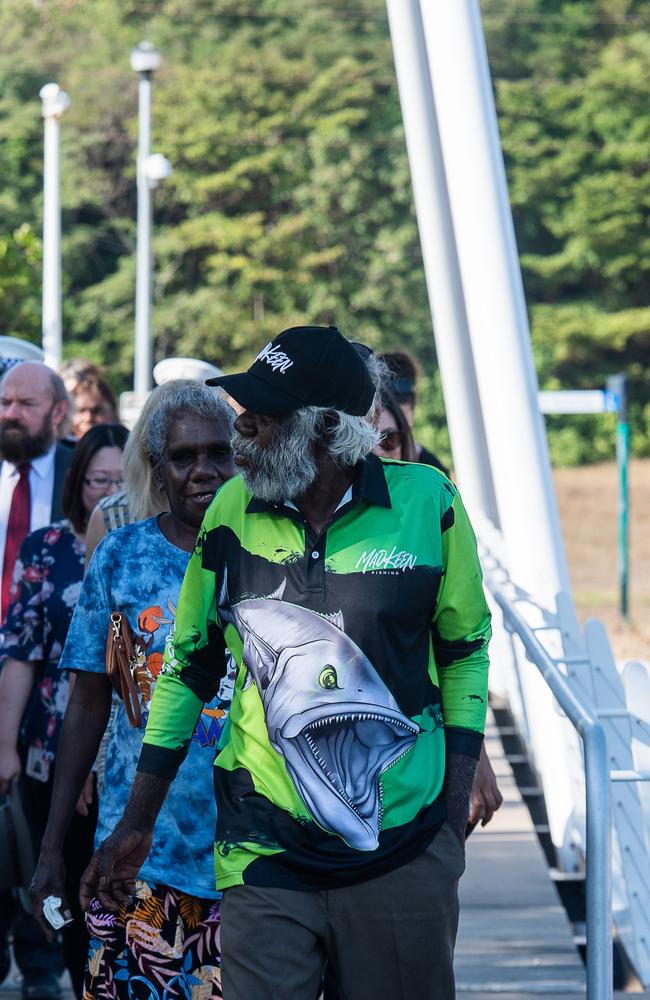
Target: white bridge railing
(581, 673)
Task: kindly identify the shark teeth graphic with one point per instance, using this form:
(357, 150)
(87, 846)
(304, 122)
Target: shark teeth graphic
(350, 749)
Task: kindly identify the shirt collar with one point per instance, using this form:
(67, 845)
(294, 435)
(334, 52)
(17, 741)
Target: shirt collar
(369, 484)
(42, 465)
(372, 483)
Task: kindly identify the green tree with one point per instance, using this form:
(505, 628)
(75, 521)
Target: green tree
(20, 284)
(575, 124)
(291, 197)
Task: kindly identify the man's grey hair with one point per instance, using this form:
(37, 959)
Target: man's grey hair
(352, 438)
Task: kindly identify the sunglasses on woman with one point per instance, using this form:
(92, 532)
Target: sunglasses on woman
(390, 438)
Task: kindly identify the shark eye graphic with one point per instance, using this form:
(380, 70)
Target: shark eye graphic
(328, 678)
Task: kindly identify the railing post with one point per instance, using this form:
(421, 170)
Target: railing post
(597, 791)
(599, 872)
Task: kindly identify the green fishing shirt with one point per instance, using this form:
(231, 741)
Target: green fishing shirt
(361, 657)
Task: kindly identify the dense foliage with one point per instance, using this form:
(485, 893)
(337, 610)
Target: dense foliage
(291, 199)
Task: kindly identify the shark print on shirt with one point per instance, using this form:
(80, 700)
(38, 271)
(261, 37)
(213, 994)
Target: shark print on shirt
(328, 713)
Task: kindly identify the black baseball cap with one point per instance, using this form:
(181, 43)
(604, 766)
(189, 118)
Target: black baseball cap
(303, 366)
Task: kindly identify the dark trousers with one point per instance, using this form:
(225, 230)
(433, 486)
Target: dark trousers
(36, 957)
(392, 936)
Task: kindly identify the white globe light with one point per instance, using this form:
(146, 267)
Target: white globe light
(55, 101)
(156, 169)
(145, 58)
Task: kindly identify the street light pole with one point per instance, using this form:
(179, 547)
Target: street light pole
(144, 60)
(55, 102)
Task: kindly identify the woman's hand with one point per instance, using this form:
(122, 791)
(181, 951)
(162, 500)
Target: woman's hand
(113, 868)
(10, 767)
(87, 795)
(48, 880)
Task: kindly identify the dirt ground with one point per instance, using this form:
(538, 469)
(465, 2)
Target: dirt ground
(588, 501)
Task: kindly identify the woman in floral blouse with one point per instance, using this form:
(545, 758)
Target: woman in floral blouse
(33, 692)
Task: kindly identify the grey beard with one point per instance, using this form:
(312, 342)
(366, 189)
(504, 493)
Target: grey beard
(283, 470)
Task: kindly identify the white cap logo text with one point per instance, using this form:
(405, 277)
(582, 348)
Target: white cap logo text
(277, 359)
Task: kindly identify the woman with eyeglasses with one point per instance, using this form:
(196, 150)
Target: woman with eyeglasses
(396, 437)
(33, 691)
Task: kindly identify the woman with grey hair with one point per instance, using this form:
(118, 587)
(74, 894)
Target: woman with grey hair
(141, 496)
(166, 934)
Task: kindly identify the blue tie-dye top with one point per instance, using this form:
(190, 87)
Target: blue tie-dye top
(137, 571)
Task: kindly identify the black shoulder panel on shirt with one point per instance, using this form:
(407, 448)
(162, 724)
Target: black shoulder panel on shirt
(447, 519)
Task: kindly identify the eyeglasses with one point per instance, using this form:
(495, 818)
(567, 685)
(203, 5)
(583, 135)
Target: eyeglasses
(101, 482)
(390, 439)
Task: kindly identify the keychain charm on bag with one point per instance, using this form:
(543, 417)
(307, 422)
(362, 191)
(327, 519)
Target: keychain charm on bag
(121, 661)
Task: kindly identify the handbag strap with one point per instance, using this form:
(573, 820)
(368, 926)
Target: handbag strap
(124, 648)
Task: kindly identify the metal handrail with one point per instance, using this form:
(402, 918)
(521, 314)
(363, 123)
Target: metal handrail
(598, 807)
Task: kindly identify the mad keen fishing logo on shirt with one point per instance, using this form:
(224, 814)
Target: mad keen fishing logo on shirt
(277, 359)
(386, 561)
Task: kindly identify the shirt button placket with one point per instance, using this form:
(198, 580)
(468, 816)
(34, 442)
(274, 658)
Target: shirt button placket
(316, 566)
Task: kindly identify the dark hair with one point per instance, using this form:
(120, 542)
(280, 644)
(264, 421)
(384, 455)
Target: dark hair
(80, 375)
(404, 372)
(100, 436)
(388, 400)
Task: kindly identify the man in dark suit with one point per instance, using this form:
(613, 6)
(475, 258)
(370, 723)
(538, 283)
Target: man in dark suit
(34, 407)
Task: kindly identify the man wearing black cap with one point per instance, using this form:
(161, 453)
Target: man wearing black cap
(348, 591)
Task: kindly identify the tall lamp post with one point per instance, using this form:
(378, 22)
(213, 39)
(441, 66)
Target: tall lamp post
(55, 102)
(145, 58)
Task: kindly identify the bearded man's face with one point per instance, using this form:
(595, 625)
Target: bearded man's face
(28, 415)
(276, 461)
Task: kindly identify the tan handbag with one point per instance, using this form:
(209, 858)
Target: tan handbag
(121, 660)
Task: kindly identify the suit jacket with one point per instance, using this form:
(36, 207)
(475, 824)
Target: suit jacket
(62, 457)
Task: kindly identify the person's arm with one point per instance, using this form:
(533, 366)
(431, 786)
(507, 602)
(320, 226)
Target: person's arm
(94, 533)
(16, 681)
(22, 649)
(84, 722)
(461, 632)
(83, 726)
(486, 797)
(194, 665)
(113, 868)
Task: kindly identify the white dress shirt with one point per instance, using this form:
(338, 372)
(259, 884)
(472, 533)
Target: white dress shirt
(41, 487)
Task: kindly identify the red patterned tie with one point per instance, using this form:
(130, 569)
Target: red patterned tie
(17, 530)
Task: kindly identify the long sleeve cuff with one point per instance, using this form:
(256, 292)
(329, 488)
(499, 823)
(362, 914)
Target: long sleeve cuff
(465, 741)
(161, 761)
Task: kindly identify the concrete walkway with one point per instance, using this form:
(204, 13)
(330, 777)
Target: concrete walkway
(514, 938)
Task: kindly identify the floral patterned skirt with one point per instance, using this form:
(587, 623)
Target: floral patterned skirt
(163, 945)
